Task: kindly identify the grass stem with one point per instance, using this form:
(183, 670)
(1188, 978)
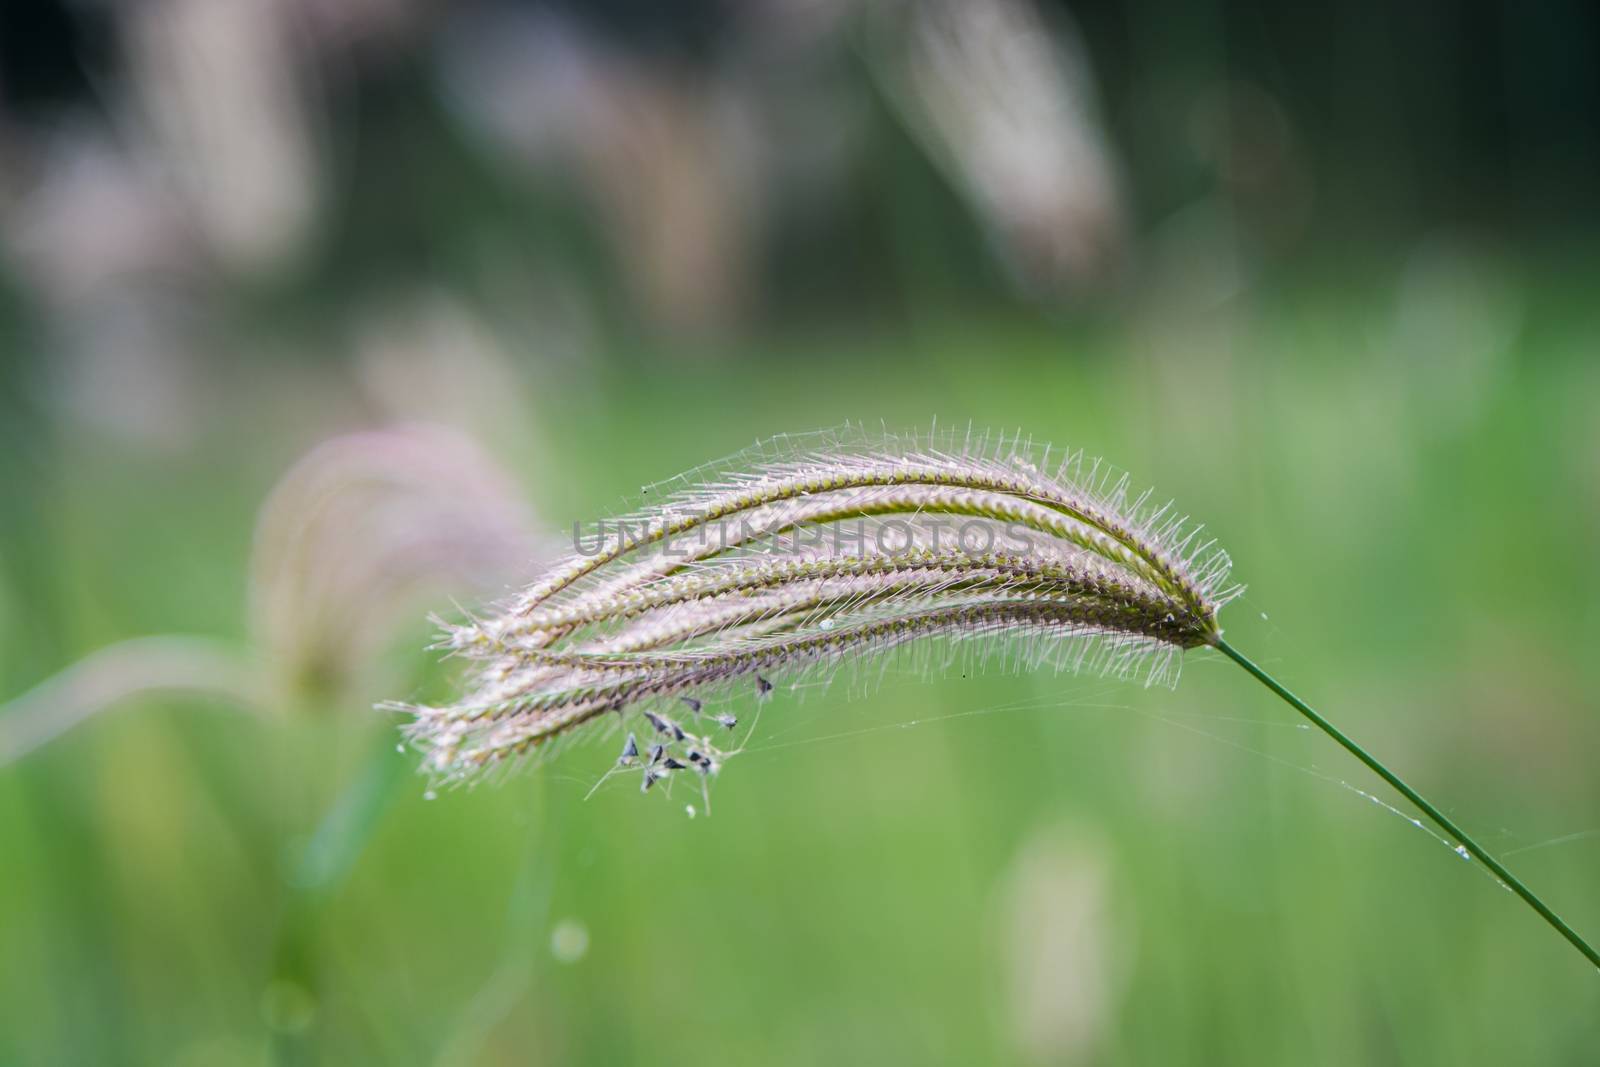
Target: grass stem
(1511, 881)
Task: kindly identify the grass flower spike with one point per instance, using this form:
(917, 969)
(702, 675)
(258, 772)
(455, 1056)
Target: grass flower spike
(807, 556)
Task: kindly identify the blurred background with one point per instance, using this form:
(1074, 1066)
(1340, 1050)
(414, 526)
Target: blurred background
(316, 317)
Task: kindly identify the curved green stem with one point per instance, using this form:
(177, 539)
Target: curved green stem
(1511, 881)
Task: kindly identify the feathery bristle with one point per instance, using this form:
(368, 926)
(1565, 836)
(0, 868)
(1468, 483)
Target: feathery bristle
(804, 555)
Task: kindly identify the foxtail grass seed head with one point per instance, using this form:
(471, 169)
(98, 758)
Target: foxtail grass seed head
(807, 555)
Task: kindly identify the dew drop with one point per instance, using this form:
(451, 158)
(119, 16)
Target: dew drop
(430, 795)
(688, 809)
(825, 624)
(569, 941)
(1461, 850)
(400, 749)
(1264, 617)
